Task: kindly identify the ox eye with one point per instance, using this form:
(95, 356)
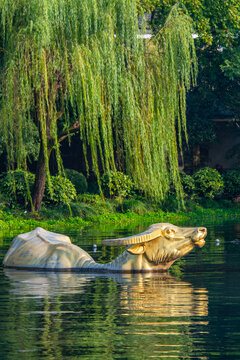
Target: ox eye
(169, 233)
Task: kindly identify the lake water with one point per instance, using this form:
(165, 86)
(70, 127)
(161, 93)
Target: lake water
(102, 316)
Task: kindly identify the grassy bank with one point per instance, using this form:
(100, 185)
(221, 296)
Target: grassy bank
(97, 211)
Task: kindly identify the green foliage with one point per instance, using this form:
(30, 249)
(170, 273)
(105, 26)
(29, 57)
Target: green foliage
(188, 184)
(92, 204)
(93, 187)
(117, 184)
(170, 204)
(92, 199)
(61, 212)
(213, 20)
(192, 205)
(97, 202)
(78, 180)
(30, 140)
(4, 200)
(208, 182)
(231, 66)
(108, 205)
(231, 183)
(63, 191)
(231, 70)
(84, 210)
(206, 203)
(145, 6)
(56, 218)
(80, 66)
(135, 206)
(217, 25)
(16, 186)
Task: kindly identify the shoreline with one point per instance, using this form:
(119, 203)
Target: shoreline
(18, 220)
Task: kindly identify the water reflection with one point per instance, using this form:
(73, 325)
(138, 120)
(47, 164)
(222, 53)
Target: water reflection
(140, 316)
(46, 284)
(165, 296)
(146, 294)
(112, 316)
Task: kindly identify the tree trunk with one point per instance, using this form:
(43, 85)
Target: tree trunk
(40, 181)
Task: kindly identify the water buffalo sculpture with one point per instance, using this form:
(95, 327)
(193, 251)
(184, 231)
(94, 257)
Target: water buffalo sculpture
(155, 249)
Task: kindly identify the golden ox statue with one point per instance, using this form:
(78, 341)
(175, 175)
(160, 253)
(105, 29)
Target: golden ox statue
(155, 249)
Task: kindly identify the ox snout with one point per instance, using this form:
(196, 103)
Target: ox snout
(199, 236)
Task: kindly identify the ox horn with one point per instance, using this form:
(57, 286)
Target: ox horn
(151, 233)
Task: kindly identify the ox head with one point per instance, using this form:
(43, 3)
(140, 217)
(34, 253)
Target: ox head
(162, 244)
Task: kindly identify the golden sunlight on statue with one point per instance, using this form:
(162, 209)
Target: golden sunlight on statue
(156, 249)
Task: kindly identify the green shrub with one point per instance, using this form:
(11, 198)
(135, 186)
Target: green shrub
(13, 185)
(208, 183)
(132, 205)
(78, 180)
(231, 183)
(53, 212)
(96, 202)
(83, 210)
(92, 199)
(63, 191)
(117, 184)
(170, 204)
(191, 205)
(3, 199)
(61, 212)
(93, 187)
(188, 184)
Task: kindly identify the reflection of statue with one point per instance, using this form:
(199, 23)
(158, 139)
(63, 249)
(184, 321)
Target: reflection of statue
(148, 293)
(47, 284)
(165, 296)
(155, 249)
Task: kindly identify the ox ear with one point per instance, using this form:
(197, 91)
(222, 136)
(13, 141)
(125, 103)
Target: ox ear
(137, 249)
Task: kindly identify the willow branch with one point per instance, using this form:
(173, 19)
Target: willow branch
(70, 131)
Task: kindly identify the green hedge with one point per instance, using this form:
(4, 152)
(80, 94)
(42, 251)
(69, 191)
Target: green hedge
(78, 180)
(63, 191)
(17, 186)
(188, 185)
(208, 183)
(117, 184)
(232, 183)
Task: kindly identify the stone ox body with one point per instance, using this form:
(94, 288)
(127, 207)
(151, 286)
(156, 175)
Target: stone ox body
(155, 249)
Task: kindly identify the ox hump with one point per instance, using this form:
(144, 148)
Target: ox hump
(44, 235)
(35, 248)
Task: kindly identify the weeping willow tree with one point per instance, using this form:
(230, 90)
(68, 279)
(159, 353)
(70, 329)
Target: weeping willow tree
(80, 65)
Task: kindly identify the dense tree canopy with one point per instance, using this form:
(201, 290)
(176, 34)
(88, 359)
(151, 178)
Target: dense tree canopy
(217, 27)
(79, 65)
(215, 22)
